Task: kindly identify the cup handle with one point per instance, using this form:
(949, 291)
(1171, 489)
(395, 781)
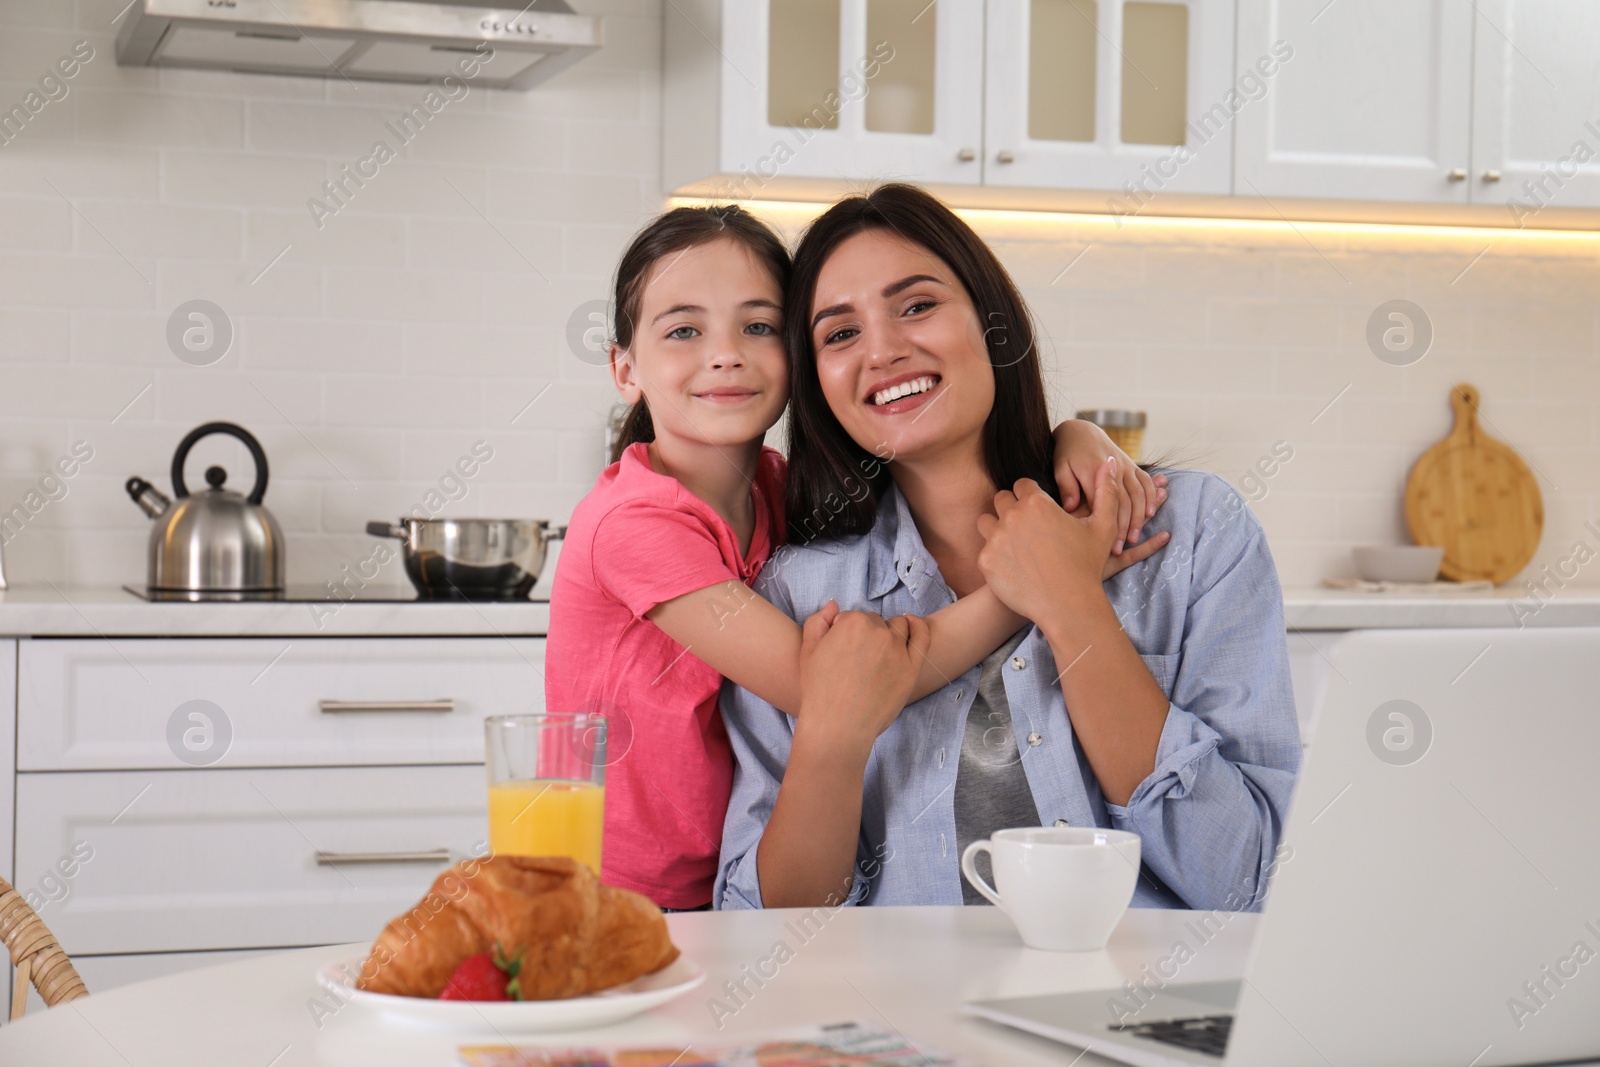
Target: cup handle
(969, 869)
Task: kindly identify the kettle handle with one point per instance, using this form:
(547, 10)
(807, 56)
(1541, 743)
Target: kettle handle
(256, 453)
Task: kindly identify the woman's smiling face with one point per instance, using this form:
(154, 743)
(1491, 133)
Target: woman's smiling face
(900, 348)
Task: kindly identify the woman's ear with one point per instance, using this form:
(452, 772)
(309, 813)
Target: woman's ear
(622, 375)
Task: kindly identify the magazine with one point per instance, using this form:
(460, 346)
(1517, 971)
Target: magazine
(851, 1044)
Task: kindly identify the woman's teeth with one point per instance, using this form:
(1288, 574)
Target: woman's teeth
(895, 392)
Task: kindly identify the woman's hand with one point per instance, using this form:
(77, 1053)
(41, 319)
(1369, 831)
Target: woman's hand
(1036, 557)
(856, 674)
(1081, 449)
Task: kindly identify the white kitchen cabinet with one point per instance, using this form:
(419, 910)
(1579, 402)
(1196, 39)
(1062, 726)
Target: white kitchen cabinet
(1311, 673)
(1119, 95)
(1536, 106)
(757, 91)
(264, 702)
(1374, 103)
(232, 859)
(1048, 94)
(8, 733)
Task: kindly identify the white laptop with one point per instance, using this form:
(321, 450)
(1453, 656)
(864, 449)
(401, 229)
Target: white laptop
(1442, 904)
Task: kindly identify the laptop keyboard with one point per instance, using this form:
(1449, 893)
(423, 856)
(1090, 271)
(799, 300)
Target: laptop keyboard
(1199, 1033)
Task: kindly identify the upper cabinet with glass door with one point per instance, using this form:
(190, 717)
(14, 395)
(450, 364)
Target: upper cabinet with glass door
(1438, 109)
(1108, 94)
(760, 91)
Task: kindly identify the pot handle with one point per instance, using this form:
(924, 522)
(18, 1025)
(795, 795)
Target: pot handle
(556, 533)
(256, 453)
(386, 529)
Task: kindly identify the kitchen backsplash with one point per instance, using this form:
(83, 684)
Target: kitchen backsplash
(401, 293)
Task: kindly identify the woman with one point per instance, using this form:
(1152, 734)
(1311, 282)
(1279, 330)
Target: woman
(1158, 702)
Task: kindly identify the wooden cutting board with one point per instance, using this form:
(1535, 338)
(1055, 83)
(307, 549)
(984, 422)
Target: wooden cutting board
(1476, 497)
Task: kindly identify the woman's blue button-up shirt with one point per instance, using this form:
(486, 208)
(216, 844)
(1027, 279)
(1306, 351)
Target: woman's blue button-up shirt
(1205, 614)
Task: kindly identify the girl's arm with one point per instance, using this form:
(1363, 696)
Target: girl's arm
(747, 640)
(753, 644)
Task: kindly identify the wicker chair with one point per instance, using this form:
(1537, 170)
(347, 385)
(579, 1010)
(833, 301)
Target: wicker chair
(36, 955)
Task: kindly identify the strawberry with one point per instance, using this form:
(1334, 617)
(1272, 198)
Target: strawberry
(485, 976)
(477, 978)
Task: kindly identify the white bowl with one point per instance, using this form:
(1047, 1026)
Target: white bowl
(1399, 563)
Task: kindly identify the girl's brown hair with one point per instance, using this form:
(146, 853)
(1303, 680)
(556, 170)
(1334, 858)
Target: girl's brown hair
(676, 231)
(834, 483)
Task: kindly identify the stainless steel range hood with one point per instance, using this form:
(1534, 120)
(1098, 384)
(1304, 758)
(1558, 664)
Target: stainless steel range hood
(378, 40)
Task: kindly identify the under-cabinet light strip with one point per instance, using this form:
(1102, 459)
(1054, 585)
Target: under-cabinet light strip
(807, 210)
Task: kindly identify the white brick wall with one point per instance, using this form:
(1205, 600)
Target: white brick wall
(418, 319)
(426, 314)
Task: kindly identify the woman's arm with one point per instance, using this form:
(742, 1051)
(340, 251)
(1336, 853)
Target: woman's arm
(739, 635)
(857, 675)
(1046, 563)
(1218, 757)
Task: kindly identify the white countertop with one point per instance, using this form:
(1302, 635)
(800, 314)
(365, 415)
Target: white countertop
(109, 611)
(1322, 608)
(902, 968)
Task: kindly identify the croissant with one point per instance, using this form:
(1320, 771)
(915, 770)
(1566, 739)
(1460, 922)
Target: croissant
(575, 935)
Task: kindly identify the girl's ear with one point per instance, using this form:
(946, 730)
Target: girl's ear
(622, 375)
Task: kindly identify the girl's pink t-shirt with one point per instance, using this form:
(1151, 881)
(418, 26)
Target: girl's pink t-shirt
(637, 540)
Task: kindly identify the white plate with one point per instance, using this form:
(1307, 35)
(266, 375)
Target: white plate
(519, 1016)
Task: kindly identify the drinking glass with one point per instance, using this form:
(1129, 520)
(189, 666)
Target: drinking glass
(547, 784)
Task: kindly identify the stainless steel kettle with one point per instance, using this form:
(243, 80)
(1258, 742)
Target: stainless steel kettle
(215, 541)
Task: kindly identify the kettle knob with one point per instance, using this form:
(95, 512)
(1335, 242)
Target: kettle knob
(215, 476)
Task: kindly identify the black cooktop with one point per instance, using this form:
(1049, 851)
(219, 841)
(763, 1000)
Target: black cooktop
(310, 594)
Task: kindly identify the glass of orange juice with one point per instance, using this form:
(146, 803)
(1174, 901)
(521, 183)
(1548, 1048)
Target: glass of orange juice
(547, 784)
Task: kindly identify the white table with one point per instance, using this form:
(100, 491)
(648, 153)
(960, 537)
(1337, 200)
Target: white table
(906, 968)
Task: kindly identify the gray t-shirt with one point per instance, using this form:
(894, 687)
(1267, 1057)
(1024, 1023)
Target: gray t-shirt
(992, 790)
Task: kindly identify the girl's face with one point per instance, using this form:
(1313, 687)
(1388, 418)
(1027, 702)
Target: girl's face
(890, 318)
(707, 352)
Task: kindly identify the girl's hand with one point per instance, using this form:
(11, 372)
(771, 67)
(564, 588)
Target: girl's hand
(857, 672)
(1081, 449)
(1036, 557)
(1118, 562)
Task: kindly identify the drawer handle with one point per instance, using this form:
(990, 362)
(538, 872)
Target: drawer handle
(333, 859)
(336, 707)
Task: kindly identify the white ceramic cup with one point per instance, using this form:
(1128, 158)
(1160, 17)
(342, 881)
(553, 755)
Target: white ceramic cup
(1065, 888)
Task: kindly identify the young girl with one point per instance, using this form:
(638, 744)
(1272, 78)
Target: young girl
(651, 607)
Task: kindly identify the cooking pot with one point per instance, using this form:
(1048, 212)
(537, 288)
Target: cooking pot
(215, 541)
(471, 559)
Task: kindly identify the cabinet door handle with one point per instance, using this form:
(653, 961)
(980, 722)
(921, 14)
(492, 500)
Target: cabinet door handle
(1491, 175)
(967, 155)
(335, 707)
(1004, 157)
(333, 859)
(1458, 174)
